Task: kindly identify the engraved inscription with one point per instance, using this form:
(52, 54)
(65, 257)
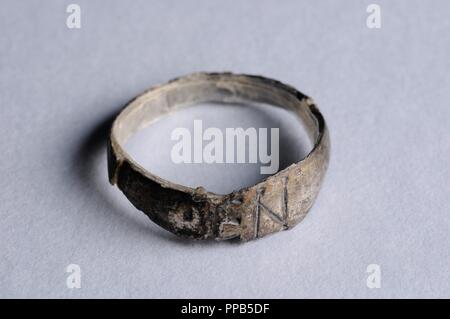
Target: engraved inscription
(260, 208)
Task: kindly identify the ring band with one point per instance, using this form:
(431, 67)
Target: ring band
(279, 202)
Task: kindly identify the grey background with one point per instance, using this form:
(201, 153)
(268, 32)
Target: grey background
(384, 92)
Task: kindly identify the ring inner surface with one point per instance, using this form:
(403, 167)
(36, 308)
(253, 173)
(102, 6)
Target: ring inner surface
(166, 99)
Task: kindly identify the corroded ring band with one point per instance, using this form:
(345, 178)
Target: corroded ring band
(277, 203)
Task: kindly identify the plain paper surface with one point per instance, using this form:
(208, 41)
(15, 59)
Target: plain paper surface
(384, 93)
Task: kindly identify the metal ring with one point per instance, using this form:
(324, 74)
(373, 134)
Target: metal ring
(277, 203)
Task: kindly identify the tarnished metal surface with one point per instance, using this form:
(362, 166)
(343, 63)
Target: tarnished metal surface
(277, 203)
